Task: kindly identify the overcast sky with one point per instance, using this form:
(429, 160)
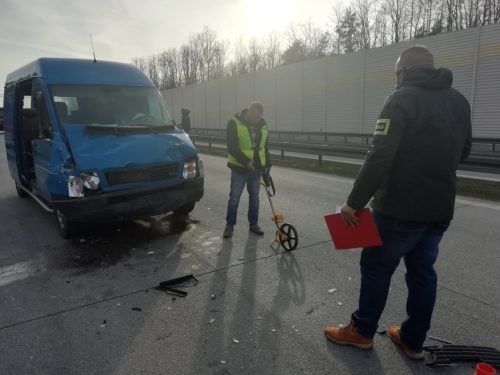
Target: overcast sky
(124, 29)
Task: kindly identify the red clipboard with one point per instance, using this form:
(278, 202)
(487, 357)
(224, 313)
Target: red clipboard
(365, 234)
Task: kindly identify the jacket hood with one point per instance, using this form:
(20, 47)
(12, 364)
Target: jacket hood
(427, 76)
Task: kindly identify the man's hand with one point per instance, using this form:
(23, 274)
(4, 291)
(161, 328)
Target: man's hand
(250, 166)
(348, 215)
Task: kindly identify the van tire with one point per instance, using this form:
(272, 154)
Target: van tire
(20, 192)
(67, 229)
(184, 210)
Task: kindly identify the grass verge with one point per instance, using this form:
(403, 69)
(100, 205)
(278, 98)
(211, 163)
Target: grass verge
(488, 190)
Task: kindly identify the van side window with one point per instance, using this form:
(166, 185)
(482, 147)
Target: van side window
(45, 126)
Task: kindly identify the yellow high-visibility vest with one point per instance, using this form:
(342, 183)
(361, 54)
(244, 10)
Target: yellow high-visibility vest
(245, 143)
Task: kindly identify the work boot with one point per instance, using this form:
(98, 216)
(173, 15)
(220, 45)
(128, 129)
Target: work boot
(348, 335)
(228, 231)
(393, 333)
(256, 229)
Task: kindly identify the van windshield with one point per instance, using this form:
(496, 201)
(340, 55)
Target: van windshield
(109, 105)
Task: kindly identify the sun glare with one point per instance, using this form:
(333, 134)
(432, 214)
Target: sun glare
(264, 16)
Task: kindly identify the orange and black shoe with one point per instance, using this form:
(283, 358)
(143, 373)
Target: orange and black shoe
(348, 335)
(393, 333)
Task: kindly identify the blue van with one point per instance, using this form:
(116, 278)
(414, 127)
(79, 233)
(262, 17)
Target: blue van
(93, 141)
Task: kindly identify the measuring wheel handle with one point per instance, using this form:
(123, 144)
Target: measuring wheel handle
(288, 237)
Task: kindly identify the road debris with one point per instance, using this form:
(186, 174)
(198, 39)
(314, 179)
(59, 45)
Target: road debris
(136, 309)
(440, 340)
(331, 291)
(213, 296)
(448, 354)
(235, 340)
(183, 281)
(339, 303)
(211, 321)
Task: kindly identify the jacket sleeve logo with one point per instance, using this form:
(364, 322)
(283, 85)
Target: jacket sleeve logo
(382, 126)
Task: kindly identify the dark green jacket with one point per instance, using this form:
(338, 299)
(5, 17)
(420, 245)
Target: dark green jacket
(423, 132)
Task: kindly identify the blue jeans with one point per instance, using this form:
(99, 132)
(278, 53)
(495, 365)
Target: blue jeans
(238, 181)
(418, 244)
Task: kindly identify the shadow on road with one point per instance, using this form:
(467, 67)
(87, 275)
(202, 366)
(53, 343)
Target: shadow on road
(105, 245)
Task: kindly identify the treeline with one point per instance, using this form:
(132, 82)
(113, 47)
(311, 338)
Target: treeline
(363, 24)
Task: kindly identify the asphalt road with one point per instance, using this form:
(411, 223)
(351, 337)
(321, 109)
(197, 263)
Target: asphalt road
(88, 305)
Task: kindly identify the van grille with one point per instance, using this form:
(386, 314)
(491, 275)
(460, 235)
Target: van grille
(157, 173)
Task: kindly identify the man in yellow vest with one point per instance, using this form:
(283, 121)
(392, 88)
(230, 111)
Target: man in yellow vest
(247, 145)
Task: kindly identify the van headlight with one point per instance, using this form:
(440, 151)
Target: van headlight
(201, 170)
(90, 180)
(75, 187)
(189, 170)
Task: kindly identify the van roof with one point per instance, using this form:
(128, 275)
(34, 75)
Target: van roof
(80, 71)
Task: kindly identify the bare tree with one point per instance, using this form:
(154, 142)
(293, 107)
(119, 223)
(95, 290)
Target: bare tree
(206, 43)
(415, 16)
(168, 66)
(364, 11)
(239, 64)
(152, 70)
(380, 30)
(219, 60)
(140, 62)
(315, 42)
(335, 21)
(190, 63)
(255, 54)
(395, 10)
(271, 52)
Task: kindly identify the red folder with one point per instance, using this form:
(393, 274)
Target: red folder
(365, 234)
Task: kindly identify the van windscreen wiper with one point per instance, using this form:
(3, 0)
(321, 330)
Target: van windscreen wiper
(128, 129)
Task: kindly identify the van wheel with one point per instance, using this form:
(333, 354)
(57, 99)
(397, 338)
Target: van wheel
(184, 210)
(66, 228)
(20, 192)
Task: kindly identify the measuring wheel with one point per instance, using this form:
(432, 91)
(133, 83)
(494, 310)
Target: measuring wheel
(288, 237)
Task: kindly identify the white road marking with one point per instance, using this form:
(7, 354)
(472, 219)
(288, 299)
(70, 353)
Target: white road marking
(16, 272)
(489, 205)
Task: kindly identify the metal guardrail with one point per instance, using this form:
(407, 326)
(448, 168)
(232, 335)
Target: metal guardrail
(350, 145)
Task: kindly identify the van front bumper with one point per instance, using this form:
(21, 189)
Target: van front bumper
(130, 204)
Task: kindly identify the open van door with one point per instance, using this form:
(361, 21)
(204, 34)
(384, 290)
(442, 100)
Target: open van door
(42, 144)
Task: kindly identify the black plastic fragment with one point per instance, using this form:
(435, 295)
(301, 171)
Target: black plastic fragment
(168, 285)
(448, 354)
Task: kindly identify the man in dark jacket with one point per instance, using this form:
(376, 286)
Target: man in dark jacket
(185, 120)
(423, 132)
(247, 145)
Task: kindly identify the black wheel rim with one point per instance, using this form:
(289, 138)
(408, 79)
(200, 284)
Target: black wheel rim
(288, 237)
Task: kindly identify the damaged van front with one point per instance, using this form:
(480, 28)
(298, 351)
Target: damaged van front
(93, 141)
